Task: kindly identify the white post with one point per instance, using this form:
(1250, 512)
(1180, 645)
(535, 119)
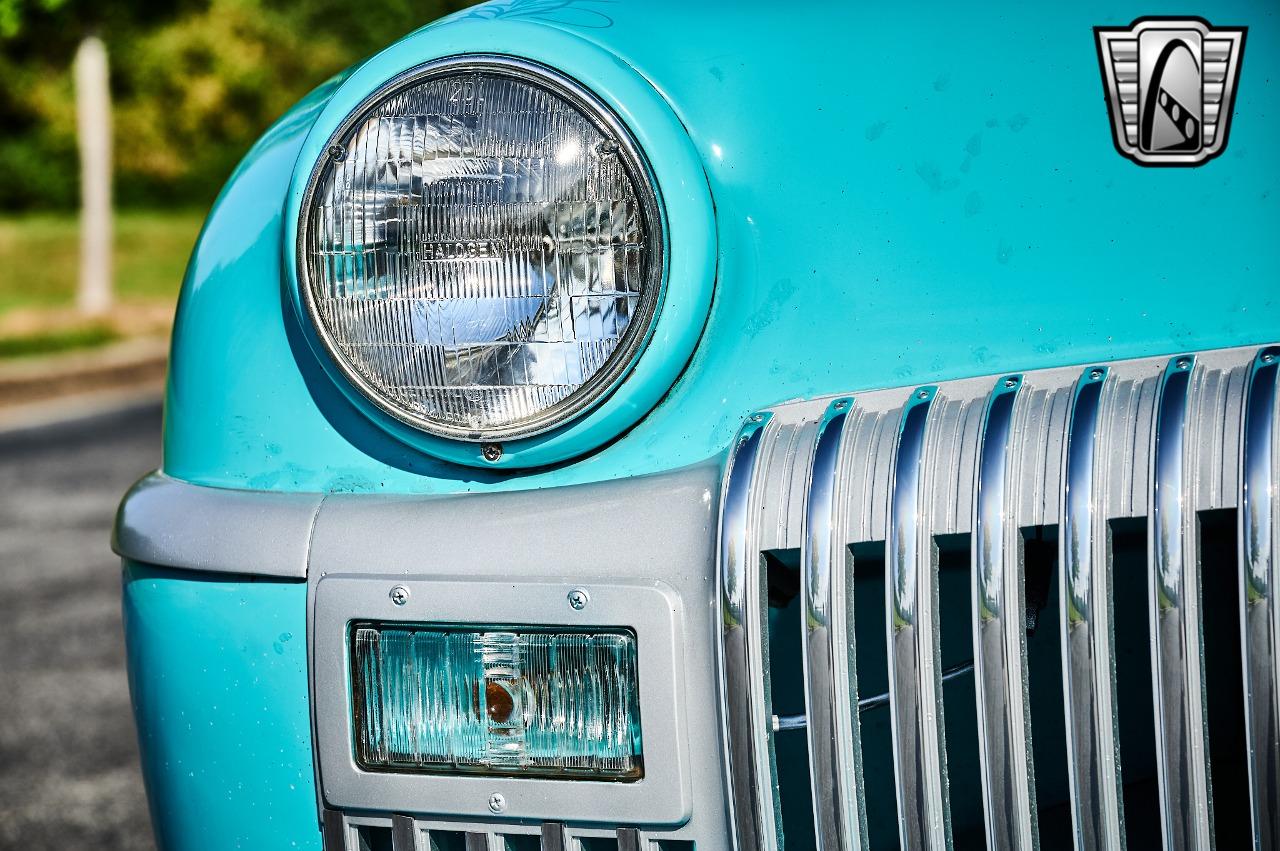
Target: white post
(93, 127)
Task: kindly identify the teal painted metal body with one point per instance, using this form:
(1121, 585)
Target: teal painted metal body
(902, 194)
(218, 674)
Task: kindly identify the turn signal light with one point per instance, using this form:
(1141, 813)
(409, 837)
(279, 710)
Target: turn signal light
(533, 702)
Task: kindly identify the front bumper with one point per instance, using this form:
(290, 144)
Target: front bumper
(642, 548)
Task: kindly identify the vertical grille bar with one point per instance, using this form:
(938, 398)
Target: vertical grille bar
(1259, 517)
(552, 837)
(629, 839)
(1176, 646)
(754, 810)
(831, 692)
(999, 637)
(404, 834)
(333, 830)
(1088, 665)
(915, 688)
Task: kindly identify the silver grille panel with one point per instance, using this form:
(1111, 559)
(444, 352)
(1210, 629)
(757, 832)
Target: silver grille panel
(344, 832)
(1071, 447)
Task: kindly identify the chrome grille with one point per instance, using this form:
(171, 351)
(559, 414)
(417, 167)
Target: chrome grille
(1077, 448)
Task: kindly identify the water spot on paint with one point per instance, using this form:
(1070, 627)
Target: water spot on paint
(1018, 122)
(940, 84)
(973, 147)
(769, 311)
(717, 73)
(875, 131)
(265, 481)
(973, 204)
(932, 177)
(1003, 252)
(993, 122)
(350, 482)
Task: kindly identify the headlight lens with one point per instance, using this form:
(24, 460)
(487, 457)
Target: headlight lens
(482, 251)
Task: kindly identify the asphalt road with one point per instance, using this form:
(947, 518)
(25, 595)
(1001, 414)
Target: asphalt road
(69, 775)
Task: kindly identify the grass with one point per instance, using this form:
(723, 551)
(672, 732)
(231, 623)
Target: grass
(39, 263)
(56, 342)
(39, 257)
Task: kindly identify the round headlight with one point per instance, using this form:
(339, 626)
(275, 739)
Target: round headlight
(481, 249)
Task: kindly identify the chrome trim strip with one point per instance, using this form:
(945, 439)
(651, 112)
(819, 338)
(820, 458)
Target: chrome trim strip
(1088, 664)
(754, 809)
(830, 687)
(1182, 747)
(999, 635)
(915, 686)
(1259, 534)
(171, 523)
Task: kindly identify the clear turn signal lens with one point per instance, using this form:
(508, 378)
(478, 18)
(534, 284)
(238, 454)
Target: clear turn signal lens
(529, 703)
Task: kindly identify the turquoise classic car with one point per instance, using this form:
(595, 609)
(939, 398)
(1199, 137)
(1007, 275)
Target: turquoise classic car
(604, 425)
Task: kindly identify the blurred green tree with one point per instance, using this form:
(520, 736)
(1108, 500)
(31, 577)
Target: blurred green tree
(194, 82)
